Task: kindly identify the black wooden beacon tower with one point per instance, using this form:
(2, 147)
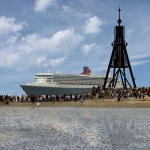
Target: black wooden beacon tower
(119, 60)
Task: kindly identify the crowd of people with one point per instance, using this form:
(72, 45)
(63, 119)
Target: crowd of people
(5, 99)
(96, 94)
(136, 93)
(118, 93)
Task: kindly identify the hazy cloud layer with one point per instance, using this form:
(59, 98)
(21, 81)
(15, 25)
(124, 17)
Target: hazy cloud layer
(42, 5)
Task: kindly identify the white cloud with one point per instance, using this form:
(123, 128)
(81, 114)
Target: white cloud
(88, 48)
(66, 38)
(36, 42)
(9, 25)
(39, 61)
(140, 56)
(62, 41)
(8, 59)
(93, 25)
(57, 61)
(130, 32)
(12, 39)
(43, 61)
(140, 62)
(35, 50)
(67, 8)
(42, 5)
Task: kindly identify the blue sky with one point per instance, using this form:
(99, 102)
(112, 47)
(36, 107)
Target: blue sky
(67, 35)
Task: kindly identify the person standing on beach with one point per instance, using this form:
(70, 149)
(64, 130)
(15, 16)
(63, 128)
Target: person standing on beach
(33, 100)
(81, 99)
(143, 94)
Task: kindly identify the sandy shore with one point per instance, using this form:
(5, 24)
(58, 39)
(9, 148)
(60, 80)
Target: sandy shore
(107, 103)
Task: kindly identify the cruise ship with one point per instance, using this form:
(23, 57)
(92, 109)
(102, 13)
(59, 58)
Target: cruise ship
(63, 84)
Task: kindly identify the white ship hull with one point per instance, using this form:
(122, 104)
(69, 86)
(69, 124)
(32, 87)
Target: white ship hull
(56, 89)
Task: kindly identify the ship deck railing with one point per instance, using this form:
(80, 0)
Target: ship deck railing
(62, 83)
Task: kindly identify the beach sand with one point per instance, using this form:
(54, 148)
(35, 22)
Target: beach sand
(106, 103)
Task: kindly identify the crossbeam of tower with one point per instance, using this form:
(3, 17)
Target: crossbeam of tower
(119, 60)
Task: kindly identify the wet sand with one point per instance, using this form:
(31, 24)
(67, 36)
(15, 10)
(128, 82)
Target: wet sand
(74, 128)
(105, 125)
